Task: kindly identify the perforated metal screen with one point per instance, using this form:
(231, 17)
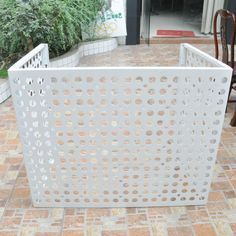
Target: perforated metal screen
(121, 137)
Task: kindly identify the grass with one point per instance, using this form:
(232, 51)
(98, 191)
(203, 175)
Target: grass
(3, 74)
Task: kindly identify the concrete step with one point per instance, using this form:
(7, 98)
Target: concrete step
(194, 40)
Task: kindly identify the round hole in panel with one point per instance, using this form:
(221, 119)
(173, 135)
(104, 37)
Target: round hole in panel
(224, 80)
(152, 80)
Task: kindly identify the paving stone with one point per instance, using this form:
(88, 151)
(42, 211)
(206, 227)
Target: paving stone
(19, 217)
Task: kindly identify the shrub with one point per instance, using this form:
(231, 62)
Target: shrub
(25, 24)
(3, 74)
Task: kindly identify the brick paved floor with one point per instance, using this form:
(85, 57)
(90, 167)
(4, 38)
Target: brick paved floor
(19, 217)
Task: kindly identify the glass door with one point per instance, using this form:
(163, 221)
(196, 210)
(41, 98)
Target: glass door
(145, 20)
(192, 15)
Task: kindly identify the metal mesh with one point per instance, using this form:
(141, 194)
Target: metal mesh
(120, 137)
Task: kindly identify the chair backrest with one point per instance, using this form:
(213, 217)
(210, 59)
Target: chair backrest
(227, 18)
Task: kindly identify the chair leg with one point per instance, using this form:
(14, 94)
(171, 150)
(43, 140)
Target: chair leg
(230, 89)
(233, 120)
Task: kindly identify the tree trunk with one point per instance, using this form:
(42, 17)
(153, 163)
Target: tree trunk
(30, 45)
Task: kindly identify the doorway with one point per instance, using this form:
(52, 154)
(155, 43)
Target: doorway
(176, 18)
(190, 18)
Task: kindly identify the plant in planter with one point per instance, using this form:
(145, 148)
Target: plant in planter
(3, 74)
(25, 24)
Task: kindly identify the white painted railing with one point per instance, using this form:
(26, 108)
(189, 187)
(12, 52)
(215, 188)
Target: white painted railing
(120, 136)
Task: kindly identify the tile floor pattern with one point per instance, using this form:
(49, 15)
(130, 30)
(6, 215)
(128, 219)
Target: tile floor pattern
(19, 217)
(140, 55)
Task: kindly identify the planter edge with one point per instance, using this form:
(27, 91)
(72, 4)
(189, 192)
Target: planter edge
(5, 91)
(72, 58)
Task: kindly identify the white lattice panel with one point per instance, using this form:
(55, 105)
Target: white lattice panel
(120, 137)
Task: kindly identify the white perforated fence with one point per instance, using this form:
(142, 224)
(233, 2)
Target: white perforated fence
(120, 137)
